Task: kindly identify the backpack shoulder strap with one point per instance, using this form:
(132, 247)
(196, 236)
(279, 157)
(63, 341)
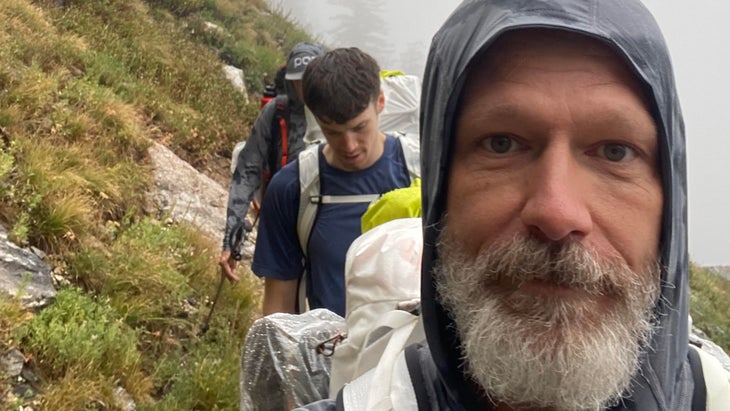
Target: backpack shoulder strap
(308, 188)
(367, 393)
(310, 196)
(699, 397)
(308, 162)
(416, 375)
(411, 153)
(712, 382)
(279, 134)
(282, 114)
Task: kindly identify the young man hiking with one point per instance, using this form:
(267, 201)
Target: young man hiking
(276, 139)
(342, 89)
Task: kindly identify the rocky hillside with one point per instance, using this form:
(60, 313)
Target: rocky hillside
(181, 193)
(117, 118)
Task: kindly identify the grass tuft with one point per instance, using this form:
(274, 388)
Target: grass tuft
(205, 379)
(709, 305)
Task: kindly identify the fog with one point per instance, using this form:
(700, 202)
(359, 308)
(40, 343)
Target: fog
(398, 33)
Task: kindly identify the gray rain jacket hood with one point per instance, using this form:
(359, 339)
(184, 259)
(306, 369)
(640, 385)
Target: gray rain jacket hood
(665, 380)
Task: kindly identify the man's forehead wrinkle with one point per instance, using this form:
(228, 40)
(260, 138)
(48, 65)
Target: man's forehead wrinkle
(496, 68)
(613, 114)
(518, 48)
(504, 65)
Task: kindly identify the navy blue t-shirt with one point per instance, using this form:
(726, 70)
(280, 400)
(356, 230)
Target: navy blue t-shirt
(278, 254)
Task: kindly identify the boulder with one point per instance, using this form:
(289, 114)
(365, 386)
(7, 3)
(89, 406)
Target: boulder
(235, 76)
(24, 274)
(186, 194)
(12, 363)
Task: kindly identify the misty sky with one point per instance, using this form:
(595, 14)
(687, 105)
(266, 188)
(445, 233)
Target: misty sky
(696, 33)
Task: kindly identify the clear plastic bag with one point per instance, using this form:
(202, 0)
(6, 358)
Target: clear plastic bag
(281, 367)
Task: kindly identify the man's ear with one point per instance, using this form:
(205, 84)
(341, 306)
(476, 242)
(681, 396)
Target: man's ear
(381, 102)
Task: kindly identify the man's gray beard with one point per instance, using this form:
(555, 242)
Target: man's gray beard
(541, 351)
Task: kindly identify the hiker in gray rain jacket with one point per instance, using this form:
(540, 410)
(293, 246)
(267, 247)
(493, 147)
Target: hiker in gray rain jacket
(555, 266)
(264, 149)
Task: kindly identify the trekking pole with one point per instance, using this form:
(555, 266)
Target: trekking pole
(206, 325)
(236, 255)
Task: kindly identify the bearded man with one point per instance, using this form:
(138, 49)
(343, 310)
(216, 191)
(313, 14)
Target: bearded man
(555, 261)
(555, 266)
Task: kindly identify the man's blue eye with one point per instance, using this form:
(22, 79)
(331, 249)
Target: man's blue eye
(500, 144)
(615, 152)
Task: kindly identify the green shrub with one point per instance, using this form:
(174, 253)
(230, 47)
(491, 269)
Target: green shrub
(7, 163)
(12, 316)
(84, 336)
(204, 379)
(710, 305)
(80, 389)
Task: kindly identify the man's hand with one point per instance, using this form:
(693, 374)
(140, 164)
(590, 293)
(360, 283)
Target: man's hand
(228, 266)
(247, 225)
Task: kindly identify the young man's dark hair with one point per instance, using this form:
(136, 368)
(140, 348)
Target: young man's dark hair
(339, 85)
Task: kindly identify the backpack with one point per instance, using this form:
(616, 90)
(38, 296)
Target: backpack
(280, 366)
(383, 283)
(712, 391)
(279, 136)
(310, 197)
(402, 94)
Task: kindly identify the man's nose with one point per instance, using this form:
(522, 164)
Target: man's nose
(349, 141)
(557, 206)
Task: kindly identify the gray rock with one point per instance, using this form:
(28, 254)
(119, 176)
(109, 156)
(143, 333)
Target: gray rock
(186, 194)
(213, 27)
(29, 375)
(124, 400)
(24, 391)
(236, 77)
(12, 363)
(24, 274)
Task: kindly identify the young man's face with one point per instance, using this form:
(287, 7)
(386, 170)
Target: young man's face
(358, 143)
(298, 89)
(554, 206)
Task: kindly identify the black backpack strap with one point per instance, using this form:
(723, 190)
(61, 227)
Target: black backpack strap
(340, 402)
(699, 398)
(417, 380)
